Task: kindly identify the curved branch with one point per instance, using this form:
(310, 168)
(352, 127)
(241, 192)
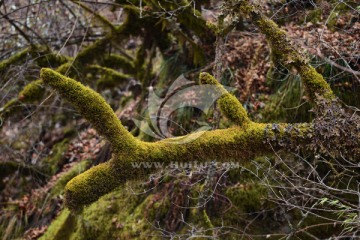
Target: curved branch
(237, 143)
(18, 57)
(228, 103)
(93, 107)
(286, 53)
(110, 77)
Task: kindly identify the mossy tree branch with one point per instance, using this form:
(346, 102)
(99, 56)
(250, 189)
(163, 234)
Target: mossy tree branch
(238, 143)
(284, 51)
(18, 57)
(110, 77)
(229, 104)
(96, 51)
(42, 54)
(34, 90)
(92, 106)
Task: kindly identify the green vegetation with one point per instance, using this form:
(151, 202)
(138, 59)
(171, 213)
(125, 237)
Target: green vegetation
(88, 152)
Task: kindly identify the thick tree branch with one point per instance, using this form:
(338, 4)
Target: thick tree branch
(92, 106)
(229, 104)
(237, 143)
(284, 51)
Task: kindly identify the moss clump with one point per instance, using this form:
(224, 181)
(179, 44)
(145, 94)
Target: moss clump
(90, 185)
(94, 108)
(98, 16)
(156, 209)
(61, 228)
(207, 221)
(111, 78)
(229, 104)
(48, 59)
(117, 215)
(247, 197)
(315, 84)
(9, 109)
(339, 10)
(32, 92)
(282, 49)
(93, 51)
(117, 61)
(58, 188)
(314, 16)
(65, 68)
(16, 58)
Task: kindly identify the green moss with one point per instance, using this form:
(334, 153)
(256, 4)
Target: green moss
(339, 8)
(111, 78)
(189, 18)
(199, 58)
(46, 58)
(19, 145)
(156, 210)
(287, 103)
(117, 215)
(237, 143)
(247, 197)
(117, 61)
(14, 59)
(314, 16)
(94, 183)
(94, 108)
(315, 84)
(229, 104)
(32, 92)
(197, 24)
(58, 188)
(9, 109)
(61, 228)
(219, 144)
(284, 52)
(93, 51)
(207, 221)
(139, 63)
(247, 8)
(213, 27)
